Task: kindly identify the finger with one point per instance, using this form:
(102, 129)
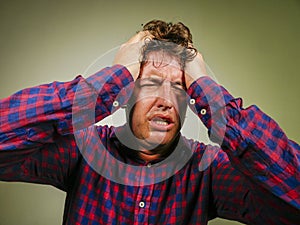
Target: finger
(140, 36)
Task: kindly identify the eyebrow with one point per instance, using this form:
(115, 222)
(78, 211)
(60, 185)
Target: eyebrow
(160, 78)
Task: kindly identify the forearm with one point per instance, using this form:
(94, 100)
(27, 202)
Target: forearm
(39, 112)
(253, 141)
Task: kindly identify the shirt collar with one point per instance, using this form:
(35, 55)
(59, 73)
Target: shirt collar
(122, 139)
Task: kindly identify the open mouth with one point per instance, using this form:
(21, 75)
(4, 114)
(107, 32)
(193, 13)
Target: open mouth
(161, 123)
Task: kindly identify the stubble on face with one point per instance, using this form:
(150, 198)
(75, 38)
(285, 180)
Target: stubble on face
(155, 119)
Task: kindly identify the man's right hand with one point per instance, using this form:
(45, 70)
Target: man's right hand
(130, 52)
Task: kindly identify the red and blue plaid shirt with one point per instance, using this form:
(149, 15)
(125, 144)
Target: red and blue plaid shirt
(254, 177)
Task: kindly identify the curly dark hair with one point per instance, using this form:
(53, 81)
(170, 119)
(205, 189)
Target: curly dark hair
(175, 39)
(177, 33)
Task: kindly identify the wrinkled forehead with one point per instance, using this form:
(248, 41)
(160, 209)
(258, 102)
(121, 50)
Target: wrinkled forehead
(162, 64)
(162, 58)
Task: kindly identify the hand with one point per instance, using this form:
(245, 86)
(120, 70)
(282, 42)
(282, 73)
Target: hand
(130, 52)
(195, 69)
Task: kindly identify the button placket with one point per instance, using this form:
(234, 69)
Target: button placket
(143, 200)
(141, 204)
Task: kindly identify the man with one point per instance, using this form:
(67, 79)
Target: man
(145, 172)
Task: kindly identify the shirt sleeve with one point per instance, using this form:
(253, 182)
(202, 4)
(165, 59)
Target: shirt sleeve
(59, 108)
(37, 125)
(256, 146)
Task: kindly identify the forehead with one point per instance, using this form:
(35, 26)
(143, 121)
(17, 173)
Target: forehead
(162, 64)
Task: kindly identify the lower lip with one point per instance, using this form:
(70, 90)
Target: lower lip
(160, 127)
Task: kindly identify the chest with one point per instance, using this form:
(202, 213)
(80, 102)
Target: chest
(181, 199)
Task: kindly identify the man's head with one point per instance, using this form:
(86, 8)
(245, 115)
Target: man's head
(159, 99)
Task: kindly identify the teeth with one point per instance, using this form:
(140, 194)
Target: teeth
(159, 122)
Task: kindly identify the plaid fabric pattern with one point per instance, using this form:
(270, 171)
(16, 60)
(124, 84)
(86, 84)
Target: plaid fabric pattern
(254, 177)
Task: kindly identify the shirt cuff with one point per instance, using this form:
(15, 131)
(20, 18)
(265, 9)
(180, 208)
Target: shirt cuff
(208, 100)
(95, 96)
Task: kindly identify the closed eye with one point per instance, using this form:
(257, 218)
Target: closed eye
(177, 86)
(151, 81)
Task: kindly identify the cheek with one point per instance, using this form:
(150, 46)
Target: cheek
(139, 114)
(139, 125)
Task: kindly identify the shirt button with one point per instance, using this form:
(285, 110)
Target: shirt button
(192, 101)
(149, 165)
(203, 111)
(142, 204)
(115, 103)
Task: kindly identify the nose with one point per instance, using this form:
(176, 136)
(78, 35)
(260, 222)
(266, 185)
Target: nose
(165, 96)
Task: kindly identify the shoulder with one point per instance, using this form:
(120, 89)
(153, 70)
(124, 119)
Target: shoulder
(206, 155)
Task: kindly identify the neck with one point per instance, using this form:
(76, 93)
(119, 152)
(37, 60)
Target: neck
(145, 151)
(148, 157)
(161, 151)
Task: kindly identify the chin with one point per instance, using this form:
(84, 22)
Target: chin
(161, 138)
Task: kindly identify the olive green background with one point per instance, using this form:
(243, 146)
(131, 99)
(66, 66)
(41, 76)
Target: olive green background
(251, 46)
